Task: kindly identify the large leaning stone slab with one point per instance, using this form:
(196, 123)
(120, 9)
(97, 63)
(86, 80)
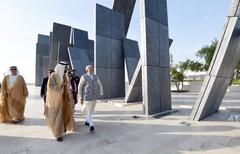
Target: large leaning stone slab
(79, 59)
(219, 75)
(210, 97)
(117, 55)
(126, 7)
(103, 21)
(131, 56)
(79, 38)
(227, 54)
(60, 43)
(234, 9)
(117, 26)
(134, 91)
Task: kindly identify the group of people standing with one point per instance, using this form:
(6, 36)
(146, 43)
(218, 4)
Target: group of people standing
(61, 91)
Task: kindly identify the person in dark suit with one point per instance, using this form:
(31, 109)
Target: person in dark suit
(44, 86)
(75, 77)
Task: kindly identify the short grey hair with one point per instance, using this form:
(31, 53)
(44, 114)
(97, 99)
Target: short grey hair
(88, 66)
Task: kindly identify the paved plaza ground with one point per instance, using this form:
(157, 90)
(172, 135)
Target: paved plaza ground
(123, 130)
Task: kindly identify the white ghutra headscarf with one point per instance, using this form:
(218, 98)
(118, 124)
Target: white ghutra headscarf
(12, 78)
(59, 69)
(9, 71)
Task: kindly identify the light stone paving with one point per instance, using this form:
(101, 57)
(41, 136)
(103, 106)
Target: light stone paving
(119, 131)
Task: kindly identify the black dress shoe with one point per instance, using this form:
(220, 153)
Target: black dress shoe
(92, 129)
(14, 121)
(60, 139)
(86, 123)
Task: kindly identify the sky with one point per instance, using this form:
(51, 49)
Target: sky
(192, 24)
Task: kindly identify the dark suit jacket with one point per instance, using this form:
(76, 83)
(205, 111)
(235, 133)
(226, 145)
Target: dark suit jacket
(77, 80)
(44, 88)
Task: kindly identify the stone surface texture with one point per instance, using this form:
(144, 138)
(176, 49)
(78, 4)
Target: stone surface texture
(155, 57)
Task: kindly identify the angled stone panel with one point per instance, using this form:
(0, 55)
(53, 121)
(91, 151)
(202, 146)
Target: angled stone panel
(103, 21)
(234, 9)
(219, 75)
(126, 7)
(117, 26)
(117, 55)
(60, 43)
(210, 97)
(79, 59)
(131, 56)
(79, 38)
(134, 92)
(227, 55)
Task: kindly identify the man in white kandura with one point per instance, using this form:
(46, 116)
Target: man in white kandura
(89, 91)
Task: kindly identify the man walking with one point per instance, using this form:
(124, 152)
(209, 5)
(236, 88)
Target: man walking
(59, 108)
(89, 90)
(44, 86)
(43, 92)
(75, 77)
